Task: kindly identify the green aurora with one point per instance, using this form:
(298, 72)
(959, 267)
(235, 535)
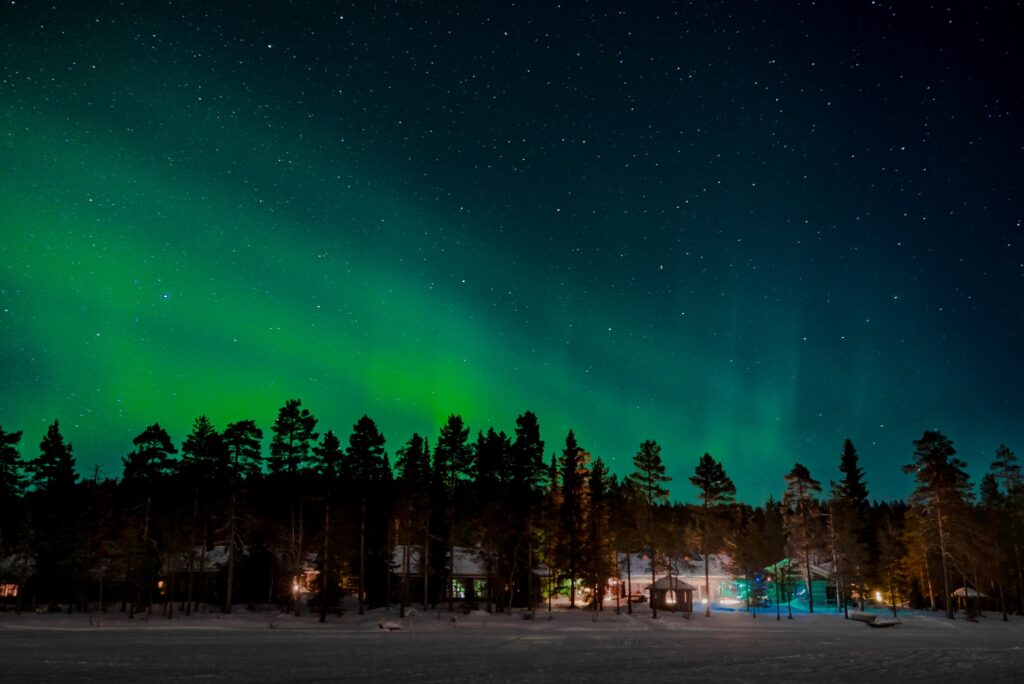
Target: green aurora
(213, 220)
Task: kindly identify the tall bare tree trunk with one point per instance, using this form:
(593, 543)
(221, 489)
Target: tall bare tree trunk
(324, 564)
(228, 591)
(942, 559)
(192, 554)
(424, 565)
(629, 582)
(654, 603)
(362, 554)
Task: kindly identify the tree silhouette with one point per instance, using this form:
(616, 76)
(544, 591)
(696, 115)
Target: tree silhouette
(368, 463)
(716, 490)
(574, 473)
(53, 470)
(328, 462)
(848, 525)
(293, 435)
(941, 494)
(1007, 473)
(12, 484)
(413, 467)
(799, 501)
(649, 476)
(452, 466)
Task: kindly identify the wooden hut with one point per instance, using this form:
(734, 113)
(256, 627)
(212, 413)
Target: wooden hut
(673, 594)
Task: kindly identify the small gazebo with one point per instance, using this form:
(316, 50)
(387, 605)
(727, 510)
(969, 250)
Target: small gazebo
(672, 593)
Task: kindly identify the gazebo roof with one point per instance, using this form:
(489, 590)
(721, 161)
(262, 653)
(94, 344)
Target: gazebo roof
(673, 583)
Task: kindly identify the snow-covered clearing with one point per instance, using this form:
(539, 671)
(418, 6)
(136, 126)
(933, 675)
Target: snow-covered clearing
(570, 647)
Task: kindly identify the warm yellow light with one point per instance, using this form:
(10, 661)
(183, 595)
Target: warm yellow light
(878, 596)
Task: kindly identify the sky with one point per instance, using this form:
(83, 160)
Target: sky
(749, 229)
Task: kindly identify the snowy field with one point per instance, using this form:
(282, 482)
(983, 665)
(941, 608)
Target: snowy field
(728, 647)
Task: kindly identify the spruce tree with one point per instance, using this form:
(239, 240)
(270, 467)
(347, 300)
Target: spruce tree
(597, 558)
(203, 455)
(848, 525)
(525, 480)
(574, 473)
(53, 470)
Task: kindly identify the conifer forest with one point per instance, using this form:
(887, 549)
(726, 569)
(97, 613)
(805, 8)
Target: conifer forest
(212, 520)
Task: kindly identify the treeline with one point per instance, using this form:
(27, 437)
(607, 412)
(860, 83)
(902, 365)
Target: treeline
(215, 522)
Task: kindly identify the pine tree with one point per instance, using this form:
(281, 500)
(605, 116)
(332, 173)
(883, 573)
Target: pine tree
(328, 458)
(203, 470)
(293, 436)
(146, 468)
(649, 477)
(1007, 473)
(413, 466)
(799, 501)
(716, 491)
(941, 495)
(371, 471)
(151, 458)
(452, 466)
(241, 441)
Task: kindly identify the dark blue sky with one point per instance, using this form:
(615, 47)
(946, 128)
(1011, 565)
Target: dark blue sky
(753, 229)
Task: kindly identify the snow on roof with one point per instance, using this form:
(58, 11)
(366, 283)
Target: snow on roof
(687, 567)
(822, 571)
(674, 583)
(968, 592)
(469, 561)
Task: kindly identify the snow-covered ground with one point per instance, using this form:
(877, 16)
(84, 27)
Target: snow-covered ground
(570, 647)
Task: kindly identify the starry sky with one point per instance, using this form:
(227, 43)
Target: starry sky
(752, 229)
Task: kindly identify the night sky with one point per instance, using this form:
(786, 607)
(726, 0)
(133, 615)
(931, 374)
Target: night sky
(751, 229)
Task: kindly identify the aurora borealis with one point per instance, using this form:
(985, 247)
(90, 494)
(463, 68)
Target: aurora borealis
(751, 230)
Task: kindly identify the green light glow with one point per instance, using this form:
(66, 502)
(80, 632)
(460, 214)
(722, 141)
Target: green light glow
(214, 221)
